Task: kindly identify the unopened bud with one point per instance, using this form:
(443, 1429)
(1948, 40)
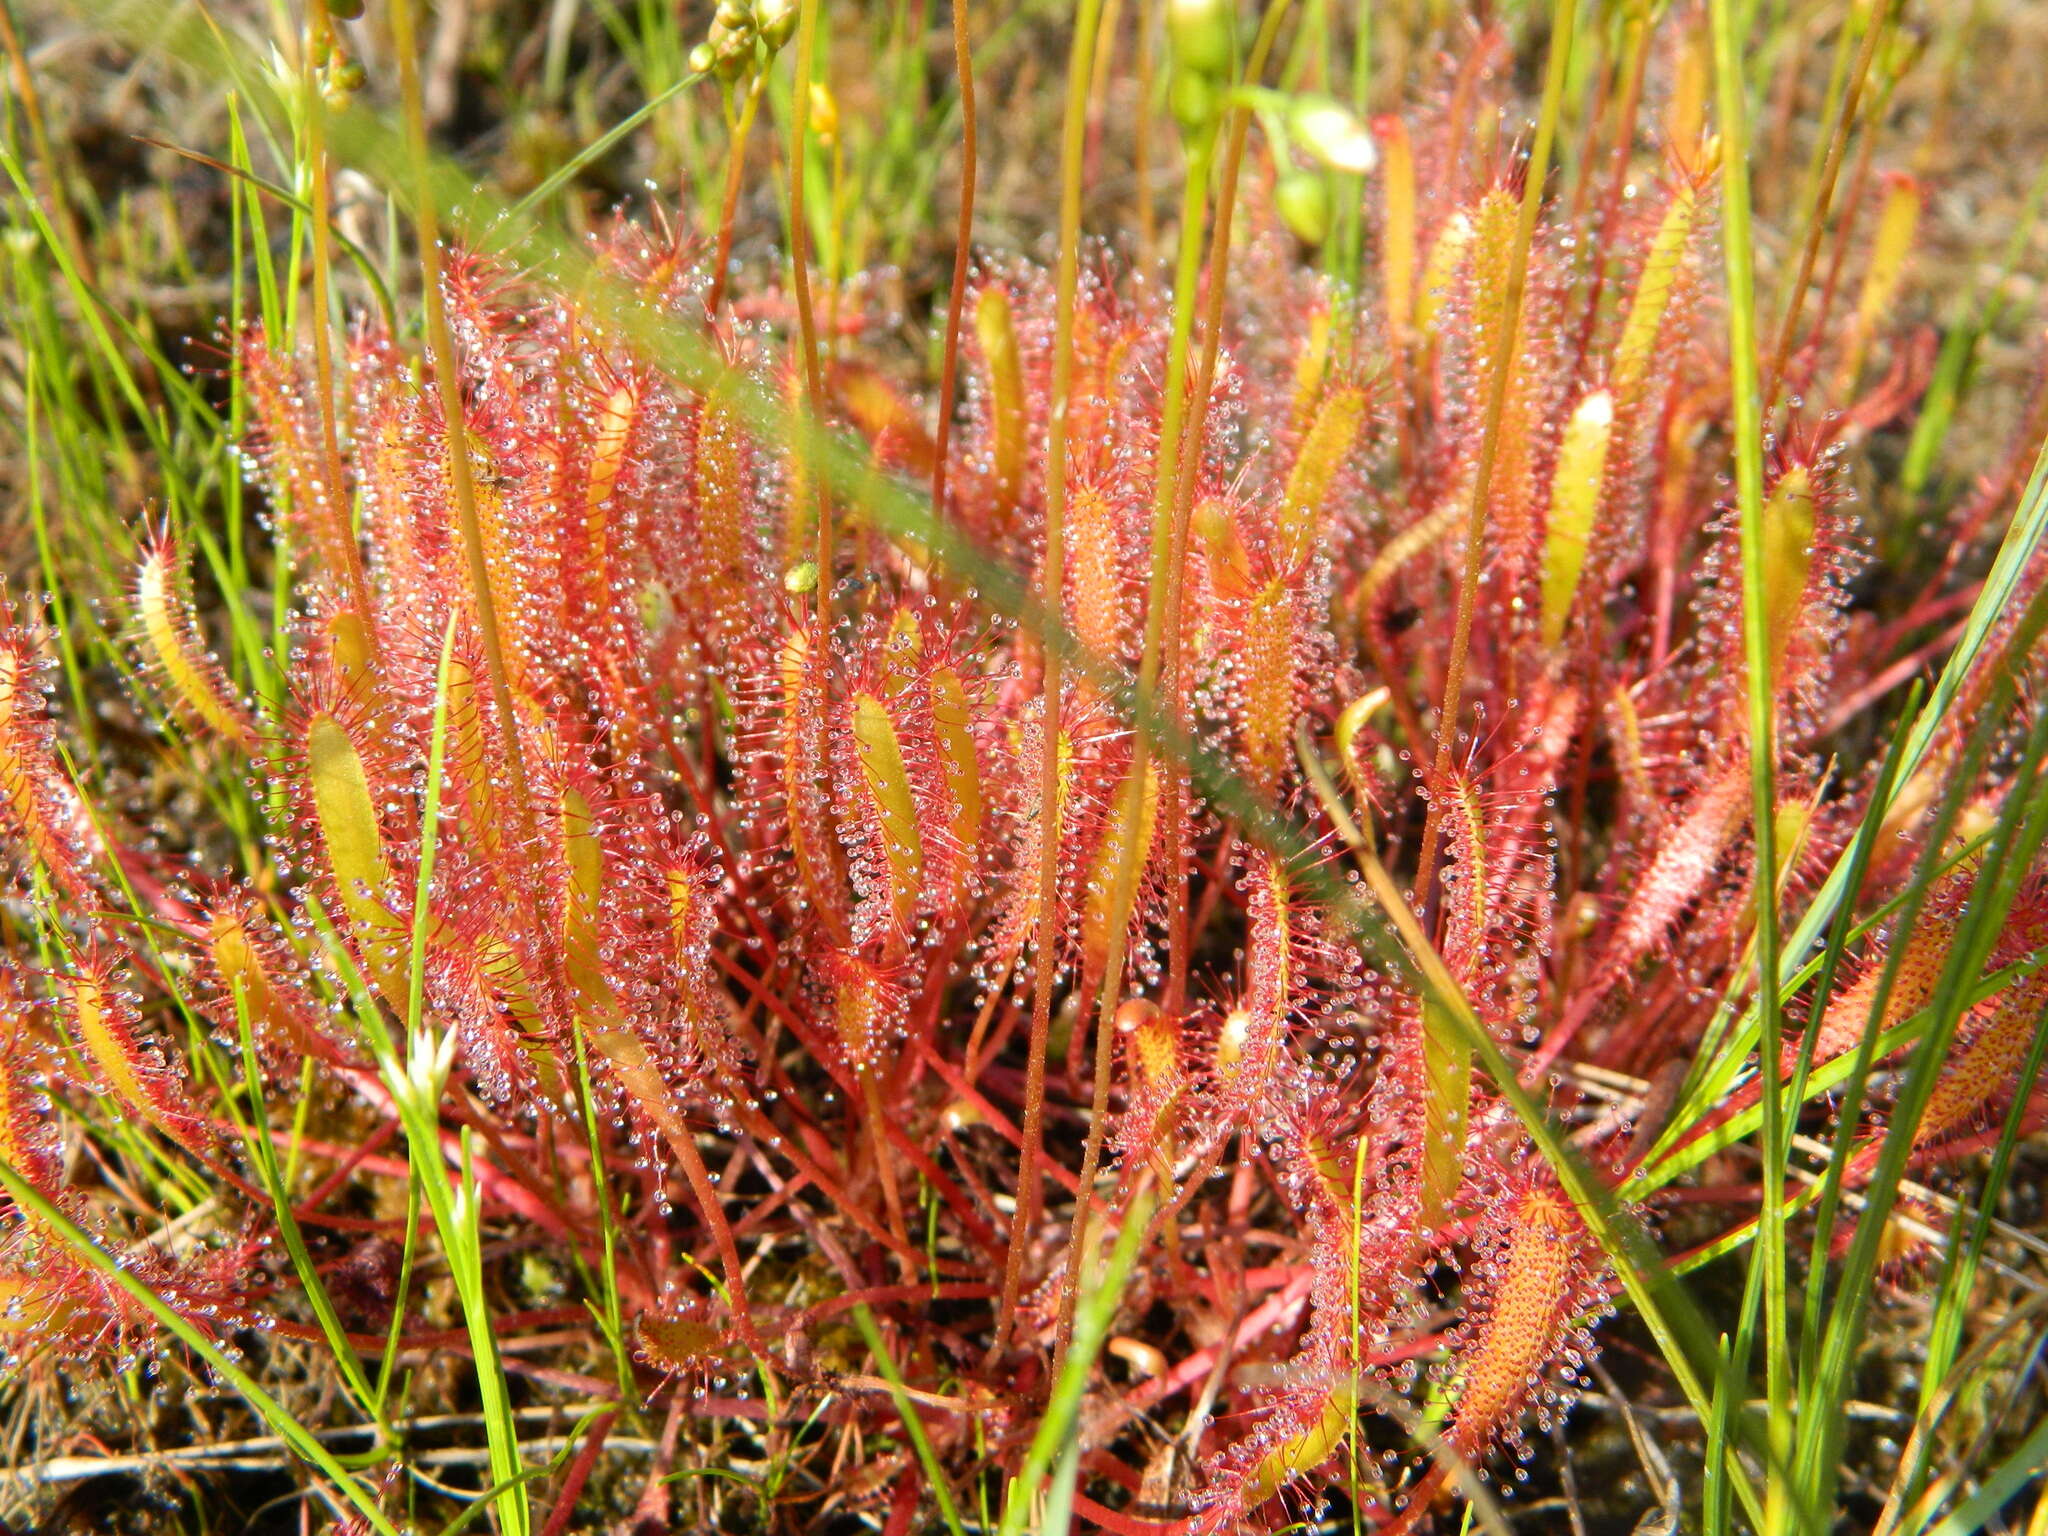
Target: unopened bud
(824, 113)
(1333, 134)
(345, 10)
(1203, 34)
(1302, 200)
(731, 49)
(775, 20)
(343, 80)
(1194, 99)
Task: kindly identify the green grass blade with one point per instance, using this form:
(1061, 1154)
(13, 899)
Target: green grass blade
(1092, 1318)
(2022, 825)
(2007, 1479)
(1722, 1059)
(1964, 1258)
(273, 1413)
(256, 1136)
(913, 1424)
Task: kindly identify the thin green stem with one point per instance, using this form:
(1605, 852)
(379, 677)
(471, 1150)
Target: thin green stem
(1817, 209)
(1217, 287)
(728, 203)
(401, 1292)
(316, 43)
(611, 1317)
(963, 242)
(256, 1136)
(800, 277)
(1500, 368)
(454, 417)
(1073, 147)
(1180, 446)
(1124, 881)
(1823, 991)
(1739, 259)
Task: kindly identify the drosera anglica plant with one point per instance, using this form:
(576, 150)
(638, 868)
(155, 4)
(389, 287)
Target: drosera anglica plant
(689, 919)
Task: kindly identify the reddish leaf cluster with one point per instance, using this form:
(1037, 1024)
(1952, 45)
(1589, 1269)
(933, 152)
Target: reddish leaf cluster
(775, 888)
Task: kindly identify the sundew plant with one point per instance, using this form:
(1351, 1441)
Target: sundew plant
(1360, 854)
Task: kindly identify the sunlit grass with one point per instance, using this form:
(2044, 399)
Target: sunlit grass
(109, 421)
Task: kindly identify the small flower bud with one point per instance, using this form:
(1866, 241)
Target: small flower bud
(1332, 133)
(345, 10)
(1203, 34)
(730, 50)
(1194, 99)
(343, 80)
(1302, 200)
(824, 114)
(775, 20)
